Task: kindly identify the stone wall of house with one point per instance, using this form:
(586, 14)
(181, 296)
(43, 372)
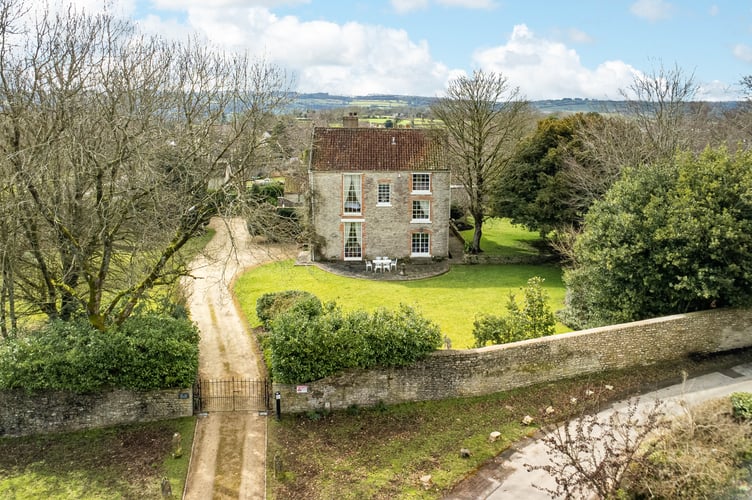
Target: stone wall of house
(387, 228)
(59, 411)
(472, 372)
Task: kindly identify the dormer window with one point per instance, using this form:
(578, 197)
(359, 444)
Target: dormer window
(352, 194)
(421, 183)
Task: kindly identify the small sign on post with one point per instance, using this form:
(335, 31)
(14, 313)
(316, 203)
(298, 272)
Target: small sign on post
(278, 398)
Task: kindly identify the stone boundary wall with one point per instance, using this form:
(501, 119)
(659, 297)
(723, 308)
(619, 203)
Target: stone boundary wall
(60, 411)
(473, 372)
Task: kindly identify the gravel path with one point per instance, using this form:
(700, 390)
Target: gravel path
(229, 450)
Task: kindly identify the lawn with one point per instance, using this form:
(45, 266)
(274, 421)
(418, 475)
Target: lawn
(501, 237)
(116, 462)
(451, 300)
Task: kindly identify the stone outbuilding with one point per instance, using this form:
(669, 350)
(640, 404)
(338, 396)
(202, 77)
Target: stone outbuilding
(379, 192)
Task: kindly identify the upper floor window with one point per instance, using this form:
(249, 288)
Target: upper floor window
(384, 195)
(352, 193)
(421, 211)
(421, 183)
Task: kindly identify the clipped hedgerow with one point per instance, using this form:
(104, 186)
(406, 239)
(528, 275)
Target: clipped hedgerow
(146, 353)
(305, 348)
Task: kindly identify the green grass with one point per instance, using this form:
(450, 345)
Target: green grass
(116, 462)
(501, 237)
(383, 452)
(452, 300)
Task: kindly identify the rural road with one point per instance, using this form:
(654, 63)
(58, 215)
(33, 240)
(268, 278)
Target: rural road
(229, 450)
(509, 478)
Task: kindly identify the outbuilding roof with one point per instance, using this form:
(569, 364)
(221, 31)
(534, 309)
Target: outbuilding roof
(357, 149)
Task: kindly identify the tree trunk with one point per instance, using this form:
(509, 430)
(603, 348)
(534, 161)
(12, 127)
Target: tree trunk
(477, 234)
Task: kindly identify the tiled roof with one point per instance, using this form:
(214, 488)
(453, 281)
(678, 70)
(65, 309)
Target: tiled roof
(356, 149)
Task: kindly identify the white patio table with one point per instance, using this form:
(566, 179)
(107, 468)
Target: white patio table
(382, 264)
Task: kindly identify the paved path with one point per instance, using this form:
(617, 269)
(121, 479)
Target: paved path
(229, 451)
(509, 478)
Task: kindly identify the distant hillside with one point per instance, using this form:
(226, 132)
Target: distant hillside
(323, 101)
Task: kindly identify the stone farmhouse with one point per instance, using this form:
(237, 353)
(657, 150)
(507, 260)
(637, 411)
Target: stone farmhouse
(378, 192)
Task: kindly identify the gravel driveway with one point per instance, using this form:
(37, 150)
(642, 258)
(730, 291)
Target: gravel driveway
(229, 450)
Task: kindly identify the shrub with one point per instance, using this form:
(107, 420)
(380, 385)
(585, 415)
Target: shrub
(741, 402)
(534, 320)
(305, 348)
(271, 304)
(147, 352)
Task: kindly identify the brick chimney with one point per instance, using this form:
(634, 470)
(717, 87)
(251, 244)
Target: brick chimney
(350, 121)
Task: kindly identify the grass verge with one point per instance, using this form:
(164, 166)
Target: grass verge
(125, 462)
(383, 452)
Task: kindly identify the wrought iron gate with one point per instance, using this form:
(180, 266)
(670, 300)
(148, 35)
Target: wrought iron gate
(231, 395)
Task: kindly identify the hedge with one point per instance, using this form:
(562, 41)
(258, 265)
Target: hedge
(147, 352)
(307, 347)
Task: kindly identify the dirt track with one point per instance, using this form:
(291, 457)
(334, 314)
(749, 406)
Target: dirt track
(229, 451)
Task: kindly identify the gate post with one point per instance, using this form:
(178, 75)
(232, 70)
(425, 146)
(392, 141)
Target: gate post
(197, 395)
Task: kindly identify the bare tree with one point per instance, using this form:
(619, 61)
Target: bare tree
(484, 118)
(110, 141)
(589, 455)
(660, 104)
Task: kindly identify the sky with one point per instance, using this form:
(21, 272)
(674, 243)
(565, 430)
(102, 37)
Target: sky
(550, 49)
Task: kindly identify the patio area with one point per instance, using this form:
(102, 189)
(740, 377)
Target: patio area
(413, 269)
(405, 270)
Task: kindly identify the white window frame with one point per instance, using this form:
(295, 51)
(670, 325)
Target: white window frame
(388, 193)
(352, 184)
(425, 179)
(420, 245)
(347, 249)
(424, 207)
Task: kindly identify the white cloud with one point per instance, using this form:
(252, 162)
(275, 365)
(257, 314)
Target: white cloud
(652, 10)
(579, 36)
(714, 10)
(717, 91)
(351, 58)
(216, 4)
(743, 52)
(469, 4)
(404, 6)
(544, 69)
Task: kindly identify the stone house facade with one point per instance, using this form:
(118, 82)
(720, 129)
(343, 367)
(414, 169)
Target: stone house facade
(378, 192)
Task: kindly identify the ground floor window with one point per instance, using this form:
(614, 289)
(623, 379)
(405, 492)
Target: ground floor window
(421, 245)
(353, 240)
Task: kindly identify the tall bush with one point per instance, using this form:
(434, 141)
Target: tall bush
(534, 320)
(305, 348)
(667, 238)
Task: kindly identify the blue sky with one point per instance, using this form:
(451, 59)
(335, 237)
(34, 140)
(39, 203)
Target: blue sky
(549, 49)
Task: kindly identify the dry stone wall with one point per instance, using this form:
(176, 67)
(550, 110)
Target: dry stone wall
(58, 411)
(472, 372)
